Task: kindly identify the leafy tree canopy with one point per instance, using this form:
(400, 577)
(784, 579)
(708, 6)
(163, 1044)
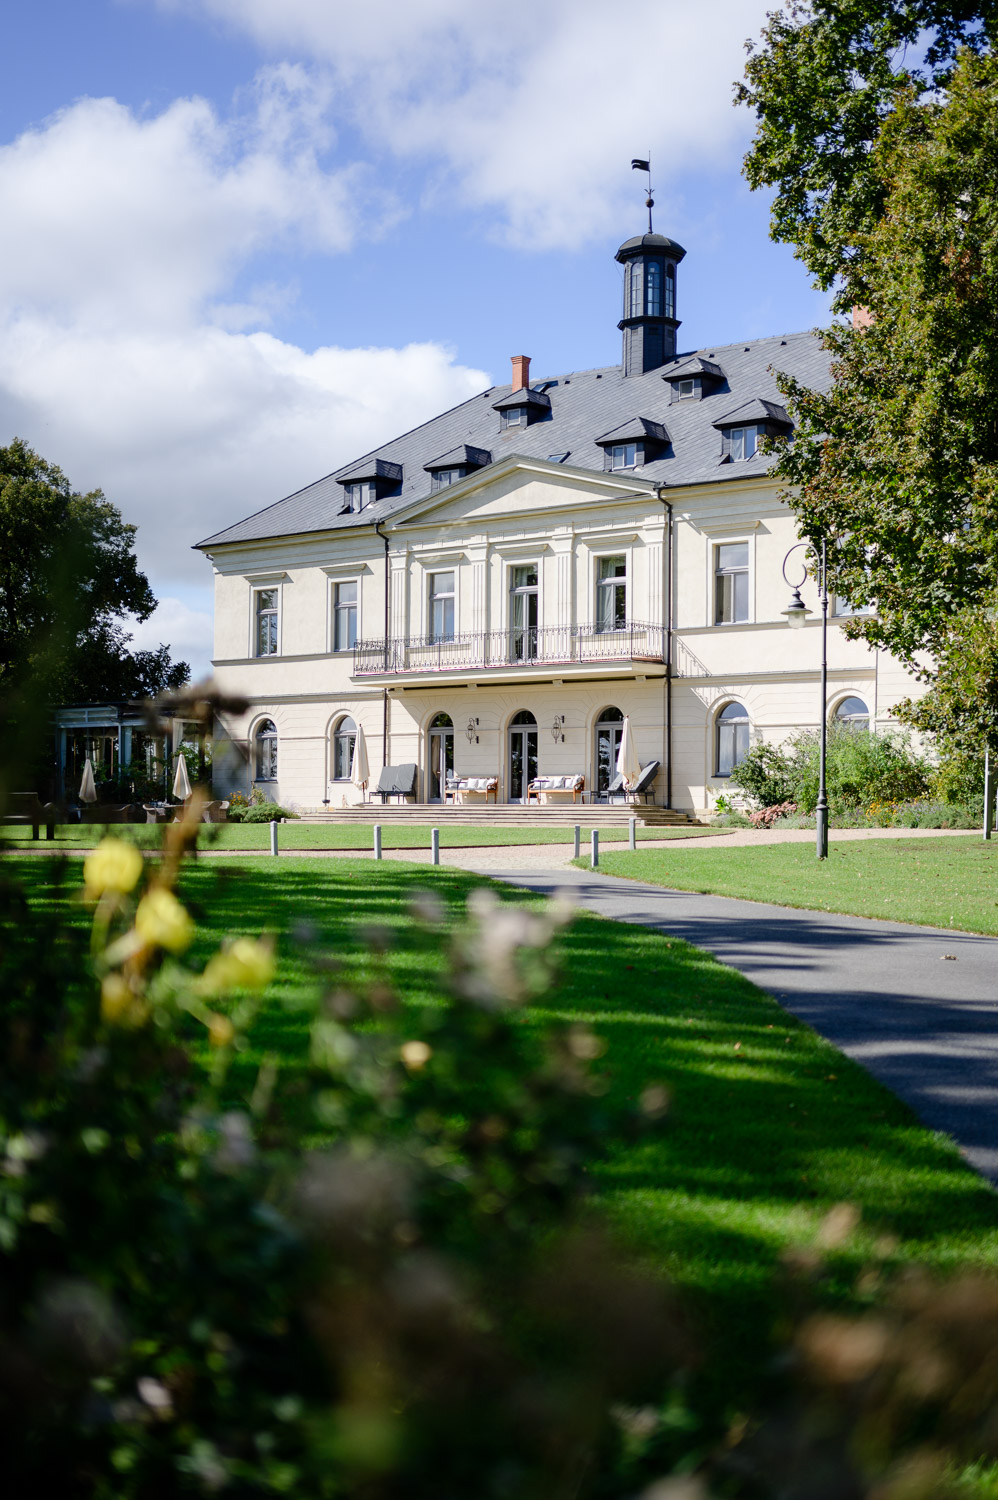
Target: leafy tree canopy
(68, 577)
(897, 463)
(822, 82)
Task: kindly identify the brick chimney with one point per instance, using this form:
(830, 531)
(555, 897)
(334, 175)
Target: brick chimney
(521, 371)
(861, 317)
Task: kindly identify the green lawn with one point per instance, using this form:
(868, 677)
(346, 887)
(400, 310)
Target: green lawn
(946, 882)
(337, 836)
(769, 1125)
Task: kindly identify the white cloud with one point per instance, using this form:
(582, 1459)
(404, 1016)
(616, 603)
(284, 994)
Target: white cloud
(534, 115)
(187, 632)
(124, 356)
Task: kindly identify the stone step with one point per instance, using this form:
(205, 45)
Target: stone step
(505, 815)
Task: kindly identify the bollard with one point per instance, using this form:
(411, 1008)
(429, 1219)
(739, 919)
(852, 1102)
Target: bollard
(578, 840)
(435, 845)
(632, 833)
(377, 840)
(273, 838)
(594, 853)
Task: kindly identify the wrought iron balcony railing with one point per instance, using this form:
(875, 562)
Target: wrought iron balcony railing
(562, 645)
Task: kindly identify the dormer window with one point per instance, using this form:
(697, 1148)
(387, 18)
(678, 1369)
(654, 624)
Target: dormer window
(740, 442)
(442, 478)
(372, 479)
(516, 416)
(742, 428)
(693, 378)
(639, 441)
(455, 464)
(356, 496)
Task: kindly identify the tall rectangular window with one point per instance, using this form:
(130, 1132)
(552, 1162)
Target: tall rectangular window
(442, 606)
(731, 583)
(523, 611)
(611, 593)
(345, 616)
(266, 622)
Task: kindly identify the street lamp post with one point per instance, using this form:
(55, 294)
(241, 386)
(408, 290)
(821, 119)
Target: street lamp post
(795, 614)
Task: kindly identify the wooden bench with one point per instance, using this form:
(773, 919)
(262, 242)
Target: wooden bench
(26, 807)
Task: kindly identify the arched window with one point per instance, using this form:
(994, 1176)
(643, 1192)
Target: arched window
(853, 713)
(732, 738)
(632, 290)
(609, 728)
(266, 750)
(670, 292)
(344, 740)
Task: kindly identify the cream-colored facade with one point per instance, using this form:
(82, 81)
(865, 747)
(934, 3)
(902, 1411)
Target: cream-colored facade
(664, 658)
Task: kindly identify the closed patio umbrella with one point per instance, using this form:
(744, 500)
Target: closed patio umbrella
(360, 771)
(628, 765)
(88, 791)
(181, 781)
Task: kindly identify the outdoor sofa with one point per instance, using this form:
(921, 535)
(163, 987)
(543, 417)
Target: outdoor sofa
(557, 788)
(457, 788)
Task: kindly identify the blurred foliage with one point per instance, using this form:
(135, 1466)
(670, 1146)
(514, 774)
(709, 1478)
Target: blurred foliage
(861, 768)
(192, 1300)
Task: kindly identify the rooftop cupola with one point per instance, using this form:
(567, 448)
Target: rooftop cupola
(649, 322)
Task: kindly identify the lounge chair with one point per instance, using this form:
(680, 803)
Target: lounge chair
(396, 781)
(617, 792)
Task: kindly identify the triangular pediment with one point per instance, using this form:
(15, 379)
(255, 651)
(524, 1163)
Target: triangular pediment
(517, 485)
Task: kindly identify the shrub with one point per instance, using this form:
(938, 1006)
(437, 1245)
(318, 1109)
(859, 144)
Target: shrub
(765, 774)
(767, 816)
(266, 812)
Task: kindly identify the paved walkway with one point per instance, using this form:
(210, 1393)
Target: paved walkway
(916, 1006)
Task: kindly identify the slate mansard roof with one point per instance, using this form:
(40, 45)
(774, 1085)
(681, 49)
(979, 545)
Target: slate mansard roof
(585, 405)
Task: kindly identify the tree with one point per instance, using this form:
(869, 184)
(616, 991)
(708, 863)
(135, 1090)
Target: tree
(822, 83)
(69, 575)
(897, 463)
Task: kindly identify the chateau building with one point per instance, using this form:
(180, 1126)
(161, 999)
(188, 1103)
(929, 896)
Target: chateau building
(492, 592)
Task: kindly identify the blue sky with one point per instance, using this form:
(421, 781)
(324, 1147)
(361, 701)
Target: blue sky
(244, 240)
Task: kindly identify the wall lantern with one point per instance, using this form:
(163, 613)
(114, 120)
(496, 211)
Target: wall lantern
(558, 729)
(471, 730)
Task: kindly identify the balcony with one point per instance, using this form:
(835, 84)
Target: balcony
(566, 647)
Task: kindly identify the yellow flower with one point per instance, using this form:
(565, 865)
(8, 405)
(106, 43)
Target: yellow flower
(220, 1031)
(162, 922)
(113, 866)
(246, 964)
(115, 999)
(118, 1005)
(415, 1055)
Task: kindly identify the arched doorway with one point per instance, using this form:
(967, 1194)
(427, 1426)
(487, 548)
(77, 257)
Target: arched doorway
(609, 728)
(522, 754)
(441, 756)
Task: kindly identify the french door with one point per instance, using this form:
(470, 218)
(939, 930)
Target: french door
(441, 756)
(523, 613)
(522, 755)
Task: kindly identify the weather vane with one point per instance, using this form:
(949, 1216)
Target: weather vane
(643, 164)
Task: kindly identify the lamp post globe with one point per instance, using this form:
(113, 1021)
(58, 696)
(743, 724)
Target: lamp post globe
(795, 615)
